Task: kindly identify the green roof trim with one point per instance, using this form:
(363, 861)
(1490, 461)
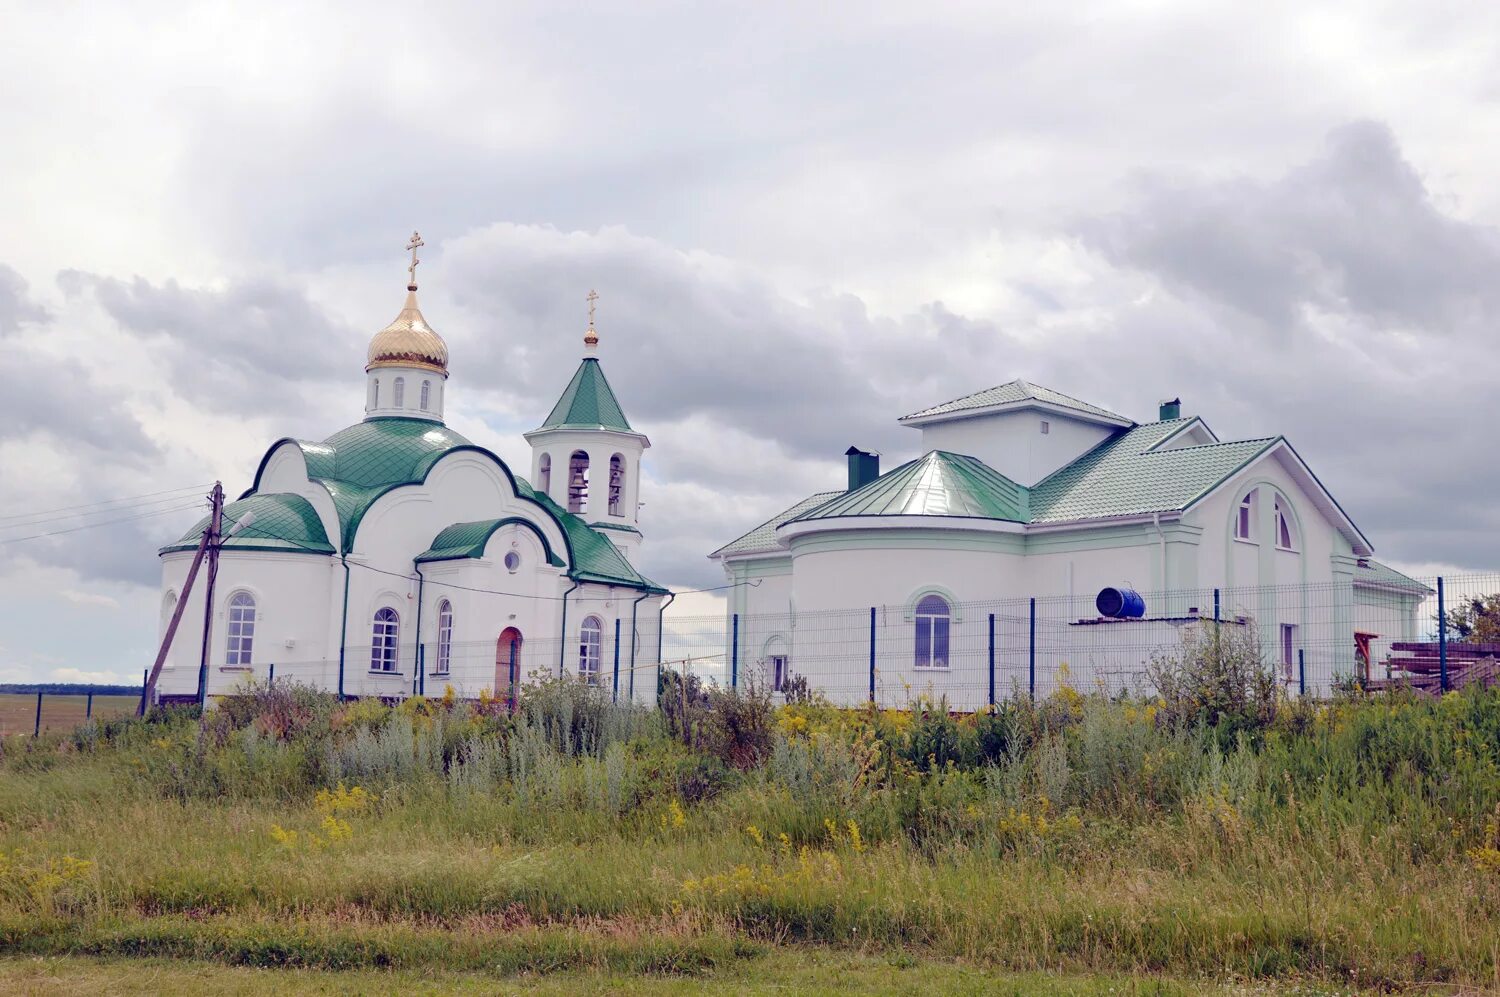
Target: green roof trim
(936, 484)
(617, 527)
(1372, 572)
(588, 402)
(1018, 393)
(595, 558)
(275, 522)
(469, 540)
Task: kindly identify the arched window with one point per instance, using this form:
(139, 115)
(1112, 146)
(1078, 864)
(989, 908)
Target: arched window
(1285, 535)
(384, 639)
(933, 618)
(168, 607)
(578, 481)
(544, 474)
(616, 484)
(590, 649)
(241, 629)
(375, 393)
(426, 394)
(1245, 518)
(399, 392)
(445, 636)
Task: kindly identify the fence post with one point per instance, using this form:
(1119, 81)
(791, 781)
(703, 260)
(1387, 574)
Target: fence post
(872, 654)
(734, 654)
(1216, 605)
(271, 680)
(144, 704)
(1031, 651)
(992, 659)
(616, 695)
(38, 731)
(1442, 638)
(88, 706)
(1301, 674)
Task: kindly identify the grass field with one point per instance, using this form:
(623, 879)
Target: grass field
(289, 842)
(59, 713)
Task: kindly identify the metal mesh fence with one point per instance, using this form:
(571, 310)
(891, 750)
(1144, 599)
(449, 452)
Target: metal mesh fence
(1316, 637)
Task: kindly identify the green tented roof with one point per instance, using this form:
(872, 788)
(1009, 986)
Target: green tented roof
(278, 522)
(468, 540)
(937, 484)
(588, 402)
(1371, 572)
(1123, 476)
(1013, 393)
(763, 537)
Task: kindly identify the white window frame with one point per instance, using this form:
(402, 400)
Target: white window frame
(426, 394)
(239, 630)
(385, 640)
(375, 392)
(780, 667)
(1244, 518)
(1289, 650)
(928, 621)
(544, 474)
(444, 638)
(590, 649)
(398, 392)
(1284, 528)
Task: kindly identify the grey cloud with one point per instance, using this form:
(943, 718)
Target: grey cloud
(69, 407)
(16, 305)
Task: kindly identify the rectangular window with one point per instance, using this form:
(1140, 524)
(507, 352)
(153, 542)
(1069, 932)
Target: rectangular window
(1242, 526)
(778, 672)
(1046, 427)
(932, 641)
(1288, 649)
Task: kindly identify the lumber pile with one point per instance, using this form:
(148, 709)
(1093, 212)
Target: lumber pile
(1418, 665)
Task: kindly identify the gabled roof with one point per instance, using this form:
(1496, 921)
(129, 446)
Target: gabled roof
(763, 537)
(275, 522)
(936, 484)
(1124, 476)
(1017, 394)
(1372, 573)
(588, 402)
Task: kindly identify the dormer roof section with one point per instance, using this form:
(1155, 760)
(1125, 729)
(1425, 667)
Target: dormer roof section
(1015, 396)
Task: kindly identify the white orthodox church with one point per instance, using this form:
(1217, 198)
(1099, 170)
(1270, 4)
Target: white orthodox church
(397, 557)
(984, 562)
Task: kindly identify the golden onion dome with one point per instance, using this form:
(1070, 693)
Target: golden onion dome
(409, 341)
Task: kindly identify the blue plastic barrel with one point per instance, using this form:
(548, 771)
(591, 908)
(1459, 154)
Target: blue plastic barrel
(1120, 604)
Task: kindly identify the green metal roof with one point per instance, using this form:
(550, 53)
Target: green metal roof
(279, 522)
(936, 484)
(763, 537)
(1123, 476)
(1372, 572)
(588, 402)
(381, 451)
(1014, 393)
(468, 540)
(595, 558)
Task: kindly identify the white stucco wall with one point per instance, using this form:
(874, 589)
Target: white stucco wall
(1013, 442)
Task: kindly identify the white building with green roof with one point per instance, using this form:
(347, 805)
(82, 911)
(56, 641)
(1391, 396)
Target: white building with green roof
(397, 557)
(1023, 493)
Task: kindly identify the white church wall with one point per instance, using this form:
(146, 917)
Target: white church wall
(285, 471)
(1013, 442)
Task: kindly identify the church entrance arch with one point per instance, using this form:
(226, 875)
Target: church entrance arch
(508, 666)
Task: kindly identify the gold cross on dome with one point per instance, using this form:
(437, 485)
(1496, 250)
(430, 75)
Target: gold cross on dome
(593, 296)
(416, 240)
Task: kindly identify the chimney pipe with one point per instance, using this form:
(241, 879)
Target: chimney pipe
(1170, 410)
(864, 467)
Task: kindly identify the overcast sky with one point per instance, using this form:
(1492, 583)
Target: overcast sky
(801, 226)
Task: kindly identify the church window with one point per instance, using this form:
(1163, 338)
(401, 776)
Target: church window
(383, 640)
(241, 629)
(445, 637)
(1244, 517)
(544, 474)
(1284, 532)
(426, 394)
(590, 649)
(375, 393)
(578, 481)
(778, 672)
(616, 484)
(398, 391)
(933, 618)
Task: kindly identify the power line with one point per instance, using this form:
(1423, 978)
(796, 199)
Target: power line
(64, 517)
(102, 522)
(105, 502)
(242, 527)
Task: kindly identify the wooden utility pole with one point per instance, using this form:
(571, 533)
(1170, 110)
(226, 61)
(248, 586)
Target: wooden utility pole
(215, 532)
(208, 542)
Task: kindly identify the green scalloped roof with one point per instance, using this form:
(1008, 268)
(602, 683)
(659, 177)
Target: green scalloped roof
(588, 402)
(276, 521)
(468, 540)
(936, 484)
